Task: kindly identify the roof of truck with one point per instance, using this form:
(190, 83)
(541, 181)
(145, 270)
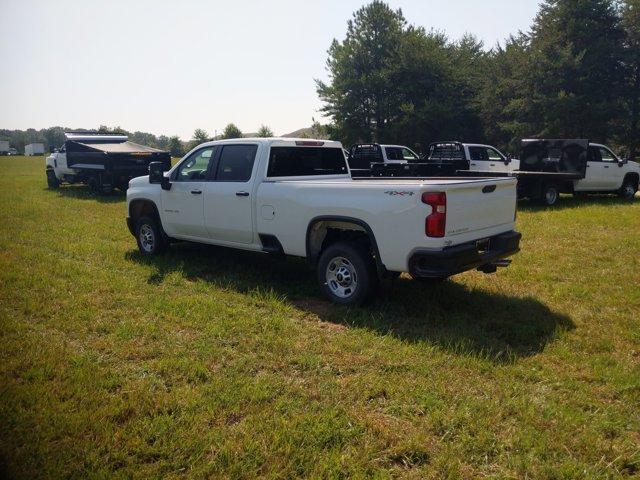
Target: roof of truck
(278, 141)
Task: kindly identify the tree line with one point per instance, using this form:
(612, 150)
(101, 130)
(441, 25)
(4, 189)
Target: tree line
(54, 137)
(574, 74)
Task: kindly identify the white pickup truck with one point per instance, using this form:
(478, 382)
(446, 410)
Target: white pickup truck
(296, 197)
(602, 171)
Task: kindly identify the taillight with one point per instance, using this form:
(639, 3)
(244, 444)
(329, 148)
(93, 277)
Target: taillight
(435, 222)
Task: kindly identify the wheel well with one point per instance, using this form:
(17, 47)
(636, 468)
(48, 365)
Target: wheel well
(139, 208)
(633, 176)
(326, 231)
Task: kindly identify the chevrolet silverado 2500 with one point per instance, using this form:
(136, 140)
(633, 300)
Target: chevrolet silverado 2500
(296, 197)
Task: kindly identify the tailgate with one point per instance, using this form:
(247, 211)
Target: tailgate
(479, 208)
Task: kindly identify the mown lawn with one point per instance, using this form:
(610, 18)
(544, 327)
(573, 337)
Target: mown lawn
(214, 363)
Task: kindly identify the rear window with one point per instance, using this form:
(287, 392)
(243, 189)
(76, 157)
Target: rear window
(304, 161)
(446, 151)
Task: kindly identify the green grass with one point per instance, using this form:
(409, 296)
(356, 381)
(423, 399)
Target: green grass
(213, 363)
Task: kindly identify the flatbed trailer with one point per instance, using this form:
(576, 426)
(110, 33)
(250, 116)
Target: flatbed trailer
(546, 168)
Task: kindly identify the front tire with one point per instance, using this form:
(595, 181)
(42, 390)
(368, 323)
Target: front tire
(52, 180)
(628, 189)
(150, 237)
(347, 274)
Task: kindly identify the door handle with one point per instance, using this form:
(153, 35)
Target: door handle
(606, 166)
(196, 192)
(242, 194)
(492, 164)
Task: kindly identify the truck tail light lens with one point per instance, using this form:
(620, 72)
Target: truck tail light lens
(435, 223)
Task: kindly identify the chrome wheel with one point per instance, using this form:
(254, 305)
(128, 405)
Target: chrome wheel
(147, 238)
(341, 277)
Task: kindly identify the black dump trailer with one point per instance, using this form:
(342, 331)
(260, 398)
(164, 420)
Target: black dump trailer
(107, 161)
(548, 167)
(367, 160)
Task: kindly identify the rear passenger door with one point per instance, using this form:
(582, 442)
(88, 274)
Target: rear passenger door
(228, 202)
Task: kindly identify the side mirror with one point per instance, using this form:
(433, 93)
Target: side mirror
(156, 175)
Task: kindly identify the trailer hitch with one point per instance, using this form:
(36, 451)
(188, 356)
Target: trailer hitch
(493, 267)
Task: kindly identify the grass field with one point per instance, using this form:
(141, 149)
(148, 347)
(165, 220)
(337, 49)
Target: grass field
(214, 363)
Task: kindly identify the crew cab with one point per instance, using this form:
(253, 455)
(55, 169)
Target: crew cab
(297, 197)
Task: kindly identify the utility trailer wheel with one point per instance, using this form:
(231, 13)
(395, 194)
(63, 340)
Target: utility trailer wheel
(347, 274)
(97, 186)
(150, 237)
(52, 180)
(549, 194)
(92, 183)
(628, 189)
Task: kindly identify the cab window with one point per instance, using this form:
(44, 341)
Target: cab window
(393, 153)
(196, 166)
(236, 163)
(606, 155)
(408, 154)
(493, 154)
(593, 155)
(478, 154)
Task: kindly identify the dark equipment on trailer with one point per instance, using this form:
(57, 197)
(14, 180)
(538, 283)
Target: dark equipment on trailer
(108, 161)
(548, 167)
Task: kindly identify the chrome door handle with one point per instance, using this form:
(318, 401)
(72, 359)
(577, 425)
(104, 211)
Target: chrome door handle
(196, 192)
(242, 194)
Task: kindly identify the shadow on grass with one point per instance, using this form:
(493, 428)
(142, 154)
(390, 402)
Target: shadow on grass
(569, 202)
(82, 192)
(460, 320)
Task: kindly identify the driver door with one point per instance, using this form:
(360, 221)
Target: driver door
(596, 175)
(183, 204)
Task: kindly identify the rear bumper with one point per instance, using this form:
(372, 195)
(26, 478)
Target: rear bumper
(460, 258)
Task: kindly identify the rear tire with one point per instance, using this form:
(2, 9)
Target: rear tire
(347, 274)
(52, 180)
(150, 237)
(549, 194)
(628, 189)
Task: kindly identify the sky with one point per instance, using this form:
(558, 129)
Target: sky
(169, 67)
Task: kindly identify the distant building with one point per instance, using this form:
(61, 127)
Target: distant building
(4, 147)
(34, 149)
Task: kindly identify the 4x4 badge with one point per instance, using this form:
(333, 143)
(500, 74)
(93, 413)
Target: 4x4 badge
(395, 193)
